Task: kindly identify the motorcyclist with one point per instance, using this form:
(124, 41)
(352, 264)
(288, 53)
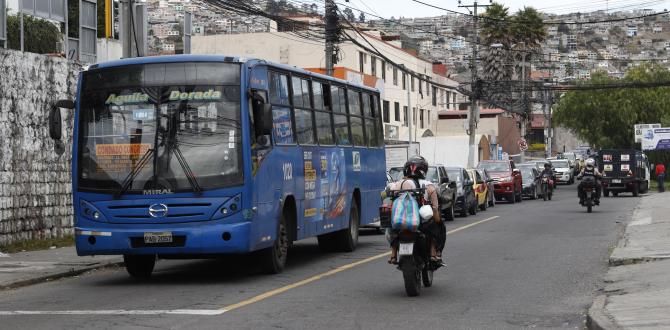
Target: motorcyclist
(414, 173)
(589, 170)
(548, 171)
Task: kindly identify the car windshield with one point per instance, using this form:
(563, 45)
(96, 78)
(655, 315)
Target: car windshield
(140, 130)
(527, 174)
(560, 163)
(432, 174)
(396, 173)
(455, 175)
(495, 166)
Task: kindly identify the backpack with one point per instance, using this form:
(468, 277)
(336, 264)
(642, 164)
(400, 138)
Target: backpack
(405, 213)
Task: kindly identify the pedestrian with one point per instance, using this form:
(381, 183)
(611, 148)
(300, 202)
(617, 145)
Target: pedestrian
(660, 176)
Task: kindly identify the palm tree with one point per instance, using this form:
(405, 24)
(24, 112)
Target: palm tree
(528, 33)
(496, 30)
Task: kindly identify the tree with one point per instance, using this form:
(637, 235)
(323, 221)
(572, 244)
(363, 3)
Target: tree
(605, 118)
(361, 17)
(495, 29)
(39, 36)
(349, 15)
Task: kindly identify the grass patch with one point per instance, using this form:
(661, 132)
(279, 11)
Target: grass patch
(34, 245)
(653, 185)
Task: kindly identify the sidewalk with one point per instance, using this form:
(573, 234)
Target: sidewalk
(26, 268)
(637, 291)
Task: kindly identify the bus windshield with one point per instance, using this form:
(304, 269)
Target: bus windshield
(160, 128)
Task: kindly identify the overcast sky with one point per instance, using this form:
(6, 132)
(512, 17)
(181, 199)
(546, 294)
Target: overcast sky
(408, 8)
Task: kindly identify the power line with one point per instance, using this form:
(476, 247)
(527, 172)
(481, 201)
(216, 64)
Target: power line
(543, 23)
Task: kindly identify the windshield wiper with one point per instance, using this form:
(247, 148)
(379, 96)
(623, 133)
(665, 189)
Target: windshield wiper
(187, 170)
(127, 182)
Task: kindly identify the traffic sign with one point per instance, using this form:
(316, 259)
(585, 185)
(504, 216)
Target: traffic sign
(523, 145)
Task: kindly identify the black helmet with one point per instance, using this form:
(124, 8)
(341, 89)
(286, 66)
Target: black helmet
(415, 167)
(547, 165)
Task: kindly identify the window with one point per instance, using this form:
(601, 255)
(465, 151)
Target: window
(371, 117)
(317, 90)
(404, 115)
(412, 82)
(428, 118)
(387, 112)
(421, 118)
(414, 116)
(361, 61)
(404, 81)
(324, 128)
(301, 95)
(354, 102)
(337, 96)
(357, 131)
(396, 111)
(384, 70)
(339, 116)
(282, 131)
(304, 126)
(278, 88)
(395, 76)
(373, 66)
(434, 96)
(420, 86)
(448, 99)
(428, 88)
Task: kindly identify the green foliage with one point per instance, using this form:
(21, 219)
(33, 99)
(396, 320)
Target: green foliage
(605, 118)
(39, 36)
(527, 27)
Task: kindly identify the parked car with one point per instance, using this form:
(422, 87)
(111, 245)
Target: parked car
(563, 173)
(531, 181)
(489, 182)
(506, 177)
(446, 189)
(480, 187)
(466, 202)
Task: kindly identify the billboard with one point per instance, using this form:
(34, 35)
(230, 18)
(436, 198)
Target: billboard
(640, 128)
(656, 139)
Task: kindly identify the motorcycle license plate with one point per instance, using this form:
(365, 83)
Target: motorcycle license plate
(616, 181)
(588, 194)
(406, 249)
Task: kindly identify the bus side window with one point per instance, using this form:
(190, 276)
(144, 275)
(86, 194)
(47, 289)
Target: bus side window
(355, 118)
(339, 116)
(304, 122)
(282, 127)
(324, 122)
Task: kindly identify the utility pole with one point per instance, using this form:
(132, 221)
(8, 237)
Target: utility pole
(474, 111)
(410, 115)
(547, 115)
(126, 30)
(524, 103)
(331, 34)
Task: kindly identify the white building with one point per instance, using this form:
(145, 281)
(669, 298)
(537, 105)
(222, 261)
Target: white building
(358, 65)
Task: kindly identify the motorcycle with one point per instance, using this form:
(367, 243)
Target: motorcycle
(547, 187)
(589, 192)
(413, 247)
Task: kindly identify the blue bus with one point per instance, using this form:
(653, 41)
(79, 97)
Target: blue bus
(193, 156)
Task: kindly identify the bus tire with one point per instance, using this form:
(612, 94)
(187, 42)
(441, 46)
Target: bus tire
(344, 240)
(273, 259)
(139, 266)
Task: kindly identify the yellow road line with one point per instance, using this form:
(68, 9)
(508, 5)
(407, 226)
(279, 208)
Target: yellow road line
(283, 289)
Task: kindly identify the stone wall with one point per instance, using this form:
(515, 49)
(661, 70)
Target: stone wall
(35, 182)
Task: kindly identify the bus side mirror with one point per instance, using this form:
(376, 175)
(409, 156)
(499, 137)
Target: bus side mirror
(262, 114)
(56, 124)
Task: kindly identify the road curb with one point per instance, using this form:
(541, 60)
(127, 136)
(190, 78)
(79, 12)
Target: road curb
(596, 318)
(58, 275)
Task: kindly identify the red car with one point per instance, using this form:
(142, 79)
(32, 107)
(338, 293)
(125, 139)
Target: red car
(507, 181)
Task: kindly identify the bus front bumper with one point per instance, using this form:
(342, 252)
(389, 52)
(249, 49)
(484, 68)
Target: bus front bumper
(186, 239)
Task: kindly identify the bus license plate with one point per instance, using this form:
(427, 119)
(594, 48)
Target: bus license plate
(616, 181)
(406, 249)
(156, 238)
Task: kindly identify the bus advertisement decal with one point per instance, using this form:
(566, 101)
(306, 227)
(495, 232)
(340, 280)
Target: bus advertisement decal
(119, 158)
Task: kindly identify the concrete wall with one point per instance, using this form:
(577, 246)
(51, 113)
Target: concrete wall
(35, 183)
(564, 137)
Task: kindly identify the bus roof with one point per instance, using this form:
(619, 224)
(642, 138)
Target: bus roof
(219, 58)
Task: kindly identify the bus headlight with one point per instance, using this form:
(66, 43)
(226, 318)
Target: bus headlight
(229, 207)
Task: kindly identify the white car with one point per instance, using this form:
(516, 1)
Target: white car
(563, 171)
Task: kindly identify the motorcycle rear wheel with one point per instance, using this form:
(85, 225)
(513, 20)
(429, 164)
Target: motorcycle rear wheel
(427, 277)
(412, 277)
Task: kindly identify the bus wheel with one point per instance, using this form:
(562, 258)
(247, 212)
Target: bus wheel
(273, 258)
(344, 240)
(139, 266)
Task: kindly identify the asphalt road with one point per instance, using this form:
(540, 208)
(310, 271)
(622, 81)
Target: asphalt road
(530, 265)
